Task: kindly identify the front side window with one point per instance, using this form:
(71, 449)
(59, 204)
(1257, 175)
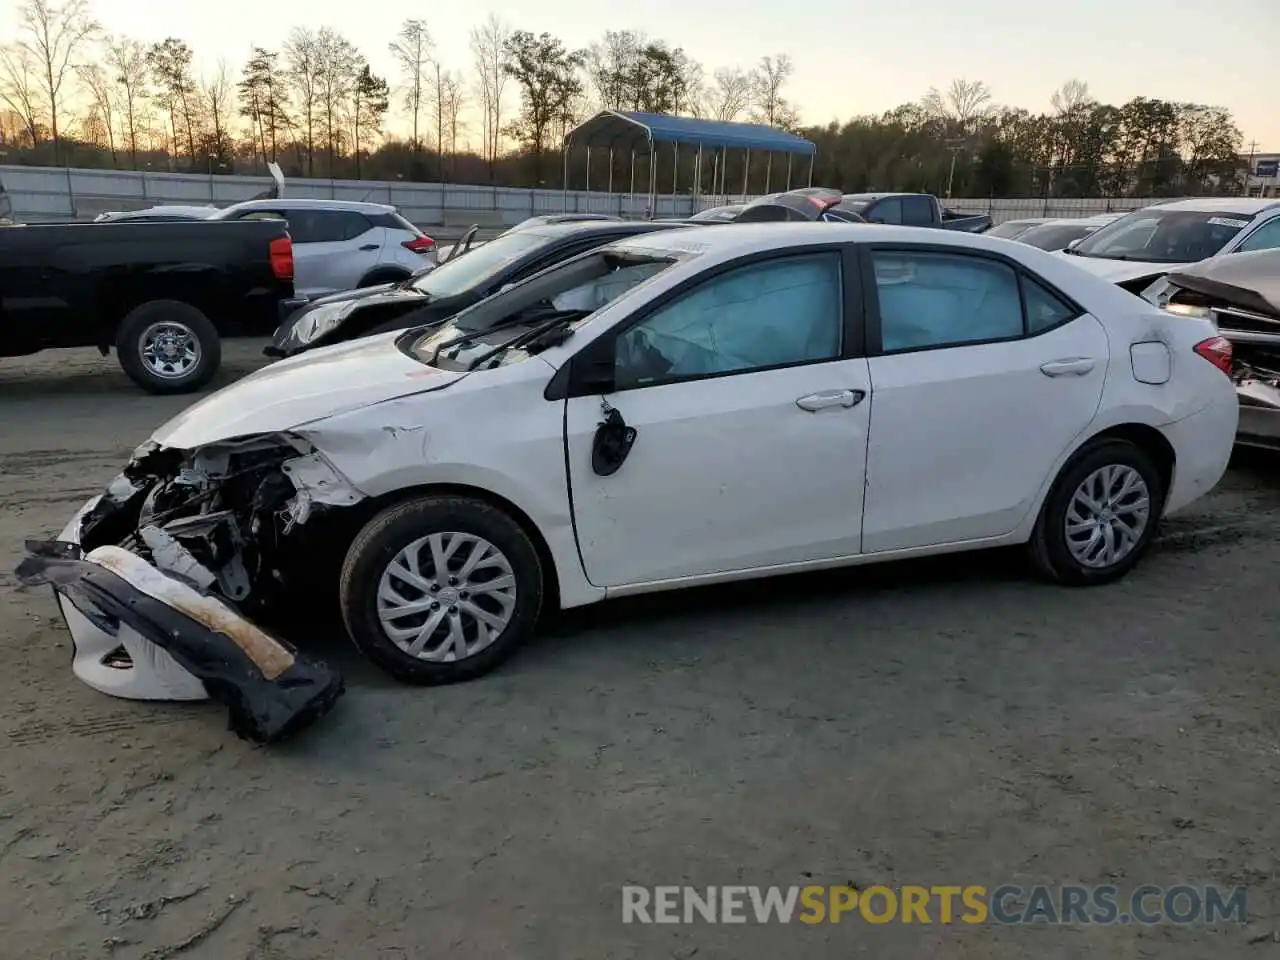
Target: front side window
(780, 312)
(944, 299)
(1266, 237)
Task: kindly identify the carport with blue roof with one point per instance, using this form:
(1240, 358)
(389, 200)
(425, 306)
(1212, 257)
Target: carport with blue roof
(619, 131)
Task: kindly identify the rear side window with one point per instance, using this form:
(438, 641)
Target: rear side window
(393, 221)
(324, 226)
(917, 210)
(936, 300)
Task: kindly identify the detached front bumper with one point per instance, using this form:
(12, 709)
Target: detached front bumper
(142, 633)
(147, 673)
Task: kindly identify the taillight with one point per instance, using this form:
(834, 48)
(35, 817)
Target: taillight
(282, 257)
(422, 244)
(1217, 350)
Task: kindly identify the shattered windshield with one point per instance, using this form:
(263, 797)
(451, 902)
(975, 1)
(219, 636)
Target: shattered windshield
(562, 297)
(1154, 235)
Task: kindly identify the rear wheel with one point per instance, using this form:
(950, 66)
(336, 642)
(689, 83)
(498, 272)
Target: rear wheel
(1100, 516)
(166, 346)
(440, 589)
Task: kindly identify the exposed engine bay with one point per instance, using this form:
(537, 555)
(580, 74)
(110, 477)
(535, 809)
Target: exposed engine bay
(185, 550)
(220, 516)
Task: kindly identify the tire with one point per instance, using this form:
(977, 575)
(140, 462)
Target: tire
(386, 276)
(1050, 546)
(191, 327)
(381, 542)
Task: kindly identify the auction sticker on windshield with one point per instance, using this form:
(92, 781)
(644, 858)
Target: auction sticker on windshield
(1228, 222)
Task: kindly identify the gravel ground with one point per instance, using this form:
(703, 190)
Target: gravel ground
(946, 722)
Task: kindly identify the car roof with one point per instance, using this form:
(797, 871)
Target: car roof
(730, 240)
(1242, 205)
(311, 203)
(587, 227)
(171, 209)
(880, 196)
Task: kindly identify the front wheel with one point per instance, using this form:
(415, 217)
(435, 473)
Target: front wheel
(440, 589)
(1100, 516)
(166, 346)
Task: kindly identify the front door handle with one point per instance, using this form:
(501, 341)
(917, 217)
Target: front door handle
(370, 246)
(1075, 366)
(830, 398)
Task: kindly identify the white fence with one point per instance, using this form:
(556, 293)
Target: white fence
(54, 193)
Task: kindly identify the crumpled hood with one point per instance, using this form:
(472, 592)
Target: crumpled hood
(1118, 271)
(314, 385)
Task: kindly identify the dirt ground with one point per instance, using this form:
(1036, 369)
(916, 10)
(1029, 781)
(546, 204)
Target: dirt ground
(946, 722)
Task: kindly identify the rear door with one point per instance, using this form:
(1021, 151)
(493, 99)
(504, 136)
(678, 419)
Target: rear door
(982, 377)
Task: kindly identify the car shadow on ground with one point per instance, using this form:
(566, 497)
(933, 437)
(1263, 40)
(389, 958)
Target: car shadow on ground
(320, 633)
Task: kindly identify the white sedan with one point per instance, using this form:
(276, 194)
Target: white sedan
(683, 408)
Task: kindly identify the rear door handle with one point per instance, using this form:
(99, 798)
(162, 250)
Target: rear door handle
(370, 246)
(1076, 366)
(830, 398)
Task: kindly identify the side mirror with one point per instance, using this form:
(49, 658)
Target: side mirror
(1074, 243)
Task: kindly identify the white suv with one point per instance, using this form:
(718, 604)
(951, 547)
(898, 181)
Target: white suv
(340, 244)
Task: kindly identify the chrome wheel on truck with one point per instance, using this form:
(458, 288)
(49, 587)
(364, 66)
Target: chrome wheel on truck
(166, 346)
(169, 350)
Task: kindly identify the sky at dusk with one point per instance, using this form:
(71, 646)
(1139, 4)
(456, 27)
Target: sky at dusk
(850, 58)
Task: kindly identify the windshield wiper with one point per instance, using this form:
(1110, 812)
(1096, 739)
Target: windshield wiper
(528, 338)
(474, 335)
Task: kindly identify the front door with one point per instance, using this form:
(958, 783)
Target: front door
(984, 378)
(751, 416)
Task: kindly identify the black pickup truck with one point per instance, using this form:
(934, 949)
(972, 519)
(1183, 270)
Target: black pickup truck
(912, 210)
(163, 294)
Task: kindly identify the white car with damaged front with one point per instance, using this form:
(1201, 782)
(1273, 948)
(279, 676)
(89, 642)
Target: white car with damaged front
(678, 409)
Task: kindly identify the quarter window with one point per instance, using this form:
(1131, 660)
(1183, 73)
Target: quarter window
(777, 313)
(1045, 309)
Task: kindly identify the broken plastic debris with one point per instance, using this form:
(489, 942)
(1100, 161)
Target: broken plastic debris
(270, 691)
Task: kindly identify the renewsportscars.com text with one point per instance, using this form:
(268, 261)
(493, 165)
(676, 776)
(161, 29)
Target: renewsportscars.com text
(973, 904)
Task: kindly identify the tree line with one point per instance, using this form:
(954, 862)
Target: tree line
(72, 94)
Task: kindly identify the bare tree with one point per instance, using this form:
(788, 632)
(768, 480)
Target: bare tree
(965, 102)
(339, 64)
(302, 55)
(51, 34)
(102, 98)
(176, 92)
(412, 49)
(772, 108)
(219, 104)
(126, 59)
(1070, 97)
(19, 89)
(488, 49)
(730, 94)
(453, 100)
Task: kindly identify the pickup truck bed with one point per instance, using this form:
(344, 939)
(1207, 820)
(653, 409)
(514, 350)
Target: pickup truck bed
(163, 294)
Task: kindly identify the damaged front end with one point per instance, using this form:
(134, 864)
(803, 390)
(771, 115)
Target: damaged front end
(158, 578)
